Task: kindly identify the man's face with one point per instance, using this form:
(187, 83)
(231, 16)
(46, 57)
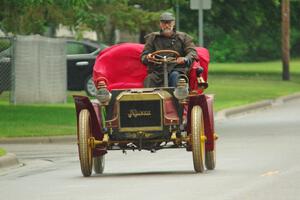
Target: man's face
(167, 27)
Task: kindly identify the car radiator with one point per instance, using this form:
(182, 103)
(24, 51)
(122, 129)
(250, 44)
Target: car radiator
(141, 115)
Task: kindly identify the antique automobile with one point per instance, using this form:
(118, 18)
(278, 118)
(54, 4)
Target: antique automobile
(125, 116)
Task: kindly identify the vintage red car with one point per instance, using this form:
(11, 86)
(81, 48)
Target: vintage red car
(126, 116)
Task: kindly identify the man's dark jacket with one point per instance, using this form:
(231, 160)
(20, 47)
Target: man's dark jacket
(179, 41)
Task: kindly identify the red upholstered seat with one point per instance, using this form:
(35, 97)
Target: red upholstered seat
(121, 68)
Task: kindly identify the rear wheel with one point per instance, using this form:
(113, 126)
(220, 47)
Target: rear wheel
(198, 138)
(210, 159)
(84, 148)
(99, 163)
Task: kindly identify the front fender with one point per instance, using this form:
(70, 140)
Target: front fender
(206, 104)
(83, 102)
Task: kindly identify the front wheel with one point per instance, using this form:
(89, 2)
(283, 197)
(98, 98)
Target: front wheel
(198, 138)
(99, 163)
(84, 148)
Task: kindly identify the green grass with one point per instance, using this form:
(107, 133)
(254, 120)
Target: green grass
(2, 152)
(233, 84)
(237, 84)
(37, 120)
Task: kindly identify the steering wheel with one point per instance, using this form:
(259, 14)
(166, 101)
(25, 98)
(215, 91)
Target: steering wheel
(168, 56)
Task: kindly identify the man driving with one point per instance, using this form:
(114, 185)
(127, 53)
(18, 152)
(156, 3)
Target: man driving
(167, 39)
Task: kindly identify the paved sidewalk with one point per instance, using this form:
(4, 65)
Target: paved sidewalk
(10, 159)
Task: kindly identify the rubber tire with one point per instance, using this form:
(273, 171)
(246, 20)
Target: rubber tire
(89, 89)
(198, 146)
(99, 164)
(85, 151)
(210, 159)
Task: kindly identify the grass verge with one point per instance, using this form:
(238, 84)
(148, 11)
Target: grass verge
(233, 85)
(2, 152)
(37, 119)
(236, 84)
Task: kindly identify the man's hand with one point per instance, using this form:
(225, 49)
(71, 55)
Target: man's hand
(149, 57)
(180, 60)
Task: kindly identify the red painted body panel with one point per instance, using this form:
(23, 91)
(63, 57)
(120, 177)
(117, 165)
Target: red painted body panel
(170, 113)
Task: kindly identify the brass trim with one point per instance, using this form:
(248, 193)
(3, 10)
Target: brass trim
(105, 138)
(93, 142)
(216, 137)
(146, 128)
(140, 97)
(173, 136)
(142, 94)
(110, 123)
(173, 121)
(107, 141)
(137, 96)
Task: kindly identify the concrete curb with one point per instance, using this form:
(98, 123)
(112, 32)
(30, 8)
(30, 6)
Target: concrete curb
(39, 140)
(255, 106)
(242, 109)
(288, 98)
(8, 160)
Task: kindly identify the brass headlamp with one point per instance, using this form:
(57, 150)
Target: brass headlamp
(102, 94)
(182, 90)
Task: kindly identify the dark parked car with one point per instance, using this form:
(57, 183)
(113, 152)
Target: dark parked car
(81, 57)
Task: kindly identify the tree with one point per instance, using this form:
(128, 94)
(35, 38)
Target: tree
(233, 30)
(36, 16)
(285, 38)
(106, 16)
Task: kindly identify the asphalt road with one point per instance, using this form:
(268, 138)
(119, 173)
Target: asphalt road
(258, 157)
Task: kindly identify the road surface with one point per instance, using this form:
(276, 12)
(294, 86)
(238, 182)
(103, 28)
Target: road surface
(258, 157)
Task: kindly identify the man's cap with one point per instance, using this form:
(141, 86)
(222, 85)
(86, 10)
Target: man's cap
(167, 16)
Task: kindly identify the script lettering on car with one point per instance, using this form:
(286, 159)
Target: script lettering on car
(138, 113)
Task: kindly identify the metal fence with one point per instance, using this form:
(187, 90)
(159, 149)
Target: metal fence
(36, 69)
(33, 69)
(6, 55)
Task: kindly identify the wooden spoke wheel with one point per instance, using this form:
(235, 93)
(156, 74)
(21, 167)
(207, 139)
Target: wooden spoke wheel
(99, 163)
(198, 138)
(84, 148)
